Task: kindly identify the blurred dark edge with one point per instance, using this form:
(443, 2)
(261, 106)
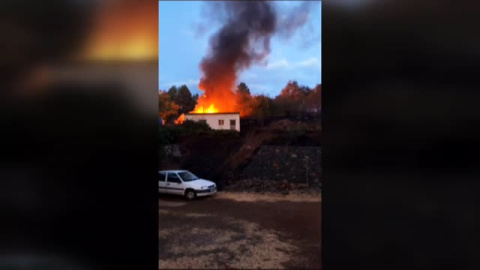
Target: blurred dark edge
(78, 159)
(400, 123)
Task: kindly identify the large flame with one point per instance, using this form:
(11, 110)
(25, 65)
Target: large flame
(198, 109)
(224, 102)
(210, 109)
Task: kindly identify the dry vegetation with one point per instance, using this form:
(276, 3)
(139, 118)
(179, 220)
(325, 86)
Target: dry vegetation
(294, 196)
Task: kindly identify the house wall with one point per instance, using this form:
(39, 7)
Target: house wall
(213, 120)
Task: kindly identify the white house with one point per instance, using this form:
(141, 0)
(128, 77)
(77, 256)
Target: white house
(227, 121)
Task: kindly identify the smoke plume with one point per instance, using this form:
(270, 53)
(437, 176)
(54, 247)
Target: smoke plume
(243, 39)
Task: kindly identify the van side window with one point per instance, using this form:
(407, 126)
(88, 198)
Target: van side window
(173, 178)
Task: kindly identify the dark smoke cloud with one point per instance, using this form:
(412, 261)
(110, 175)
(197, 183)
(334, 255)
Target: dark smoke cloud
(294, 18)
(244, 37)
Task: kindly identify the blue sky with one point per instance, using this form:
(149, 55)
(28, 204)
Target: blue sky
(181, 49)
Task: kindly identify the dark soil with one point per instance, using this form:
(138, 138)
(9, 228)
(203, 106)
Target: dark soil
(296, 222)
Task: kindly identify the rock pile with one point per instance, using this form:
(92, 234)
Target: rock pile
(299, 165)
(285, 124)
(258, 185)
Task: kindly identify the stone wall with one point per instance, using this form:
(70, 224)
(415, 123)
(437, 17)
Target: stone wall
(295, 164)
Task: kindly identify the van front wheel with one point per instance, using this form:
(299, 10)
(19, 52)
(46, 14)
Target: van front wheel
(190, 194)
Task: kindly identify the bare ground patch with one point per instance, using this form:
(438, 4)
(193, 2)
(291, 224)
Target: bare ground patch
(231, 244)
(241, 231)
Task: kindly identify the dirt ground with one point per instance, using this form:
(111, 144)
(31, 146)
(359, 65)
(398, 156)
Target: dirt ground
(240, 230)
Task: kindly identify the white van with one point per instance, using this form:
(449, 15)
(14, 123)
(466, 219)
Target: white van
(185, 183)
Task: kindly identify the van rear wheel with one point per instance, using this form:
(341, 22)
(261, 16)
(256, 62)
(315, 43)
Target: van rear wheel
(190, 194)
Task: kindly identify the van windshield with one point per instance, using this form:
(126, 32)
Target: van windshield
(187, 176)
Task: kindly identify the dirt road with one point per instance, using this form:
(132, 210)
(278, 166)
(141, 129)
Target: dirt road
(233, 230)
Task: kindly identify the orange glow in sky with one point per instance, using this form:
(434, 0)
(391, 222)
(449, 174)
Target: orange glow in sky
(124, 31)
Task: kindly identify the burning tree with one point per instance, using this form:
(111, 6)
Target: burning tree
(167, 109)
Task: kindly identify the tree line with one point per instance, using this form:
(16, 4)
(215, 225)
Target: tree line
(292, 100)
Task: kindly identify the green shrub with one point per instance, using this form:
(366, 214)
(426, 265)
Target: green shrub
(165, 136)
(225, 133)
(192, 127)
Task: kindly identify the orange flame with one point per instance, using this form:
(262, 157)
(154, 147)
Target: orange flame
(221, 98)
(219, 101)
(200, 109)
(180, 119)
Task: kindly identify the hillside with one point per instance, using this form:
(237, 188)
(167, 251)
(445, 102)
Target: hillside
(283, 150)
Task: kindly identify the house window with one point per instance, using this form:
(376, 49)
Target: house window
(220, 122)
(233, 124)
